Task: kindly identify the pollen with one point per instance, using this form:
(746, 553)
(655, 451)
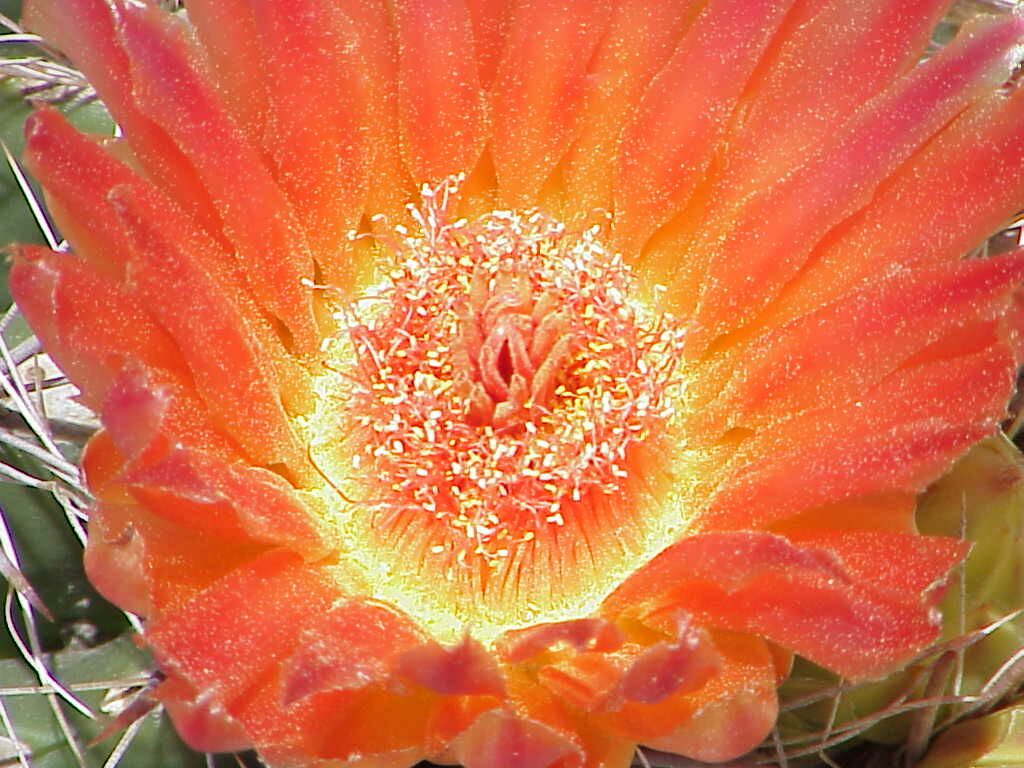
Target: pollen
(501, 375)
(503, 379)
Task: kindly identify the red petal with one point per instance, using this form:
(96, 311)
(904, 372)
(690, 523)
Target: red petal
(442, 106)
(466, 669)
(684, 113)
(900, 437)
(257, 217)
(866, 334)
(321, 147)
(773, 235)
(538, 91)
(222, 642)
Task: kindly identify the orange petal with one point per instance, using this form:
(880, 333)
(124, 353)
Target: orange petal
(87, 323)
(220, 641)
(668, 147)
(115, 559)
(85, 31)
(201, 723)
(866, 334)
(804, 598)
(502, 740)
(773, 235)
(354, 645)
(640, 39)
(591, 634)
(644, 673)
(734, 712)
(538, 90)
(227, 31)
(900, 437)
(901, 565)
(320, 147)
(257, 217)
(77, 172)
(818, 78)
(146, 415)
(441, 104)
(490, 26)
(390, 186)
(230, 499)
(949, 197)
(226, 360)
(671, 668)
(465, 669)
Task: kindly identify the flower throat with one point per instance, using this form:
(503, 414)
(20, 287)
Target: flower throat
(500, 375)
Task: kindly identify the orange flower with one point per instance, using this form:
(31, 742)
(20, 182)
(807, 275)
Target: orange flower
(571, 455)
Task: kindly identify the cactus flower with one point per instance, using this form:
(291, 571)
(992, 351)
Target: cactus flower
(515, 383)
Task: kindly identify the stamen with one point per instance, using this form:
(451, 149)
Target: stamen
(502, 374)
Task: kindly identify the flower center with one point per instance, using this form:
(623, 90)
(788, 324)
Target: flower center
(498, 390)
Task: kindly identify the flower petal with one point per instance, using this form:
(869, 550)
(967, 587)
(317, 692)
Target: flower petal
(202, 724)
(734, 712)
(321, 148)
(85, 31)
(256, 215)
(227, 32)
(80, 176)
(866, 334)
(538, 90)
(668, 146)
(88, 324)
(465, 669)
(817, 78)
(768, 240)
(228, 363)
(803, 597)
(945, 200)
(441, 103)
(220, 642)
(230, 499)
(902, 436)
(502, 740)
(640, 39)
(591, 634)
(354, 645)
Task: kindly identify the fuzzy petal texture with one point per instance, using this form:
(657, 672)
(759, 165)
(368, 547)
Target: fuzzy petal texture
(514, 384)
